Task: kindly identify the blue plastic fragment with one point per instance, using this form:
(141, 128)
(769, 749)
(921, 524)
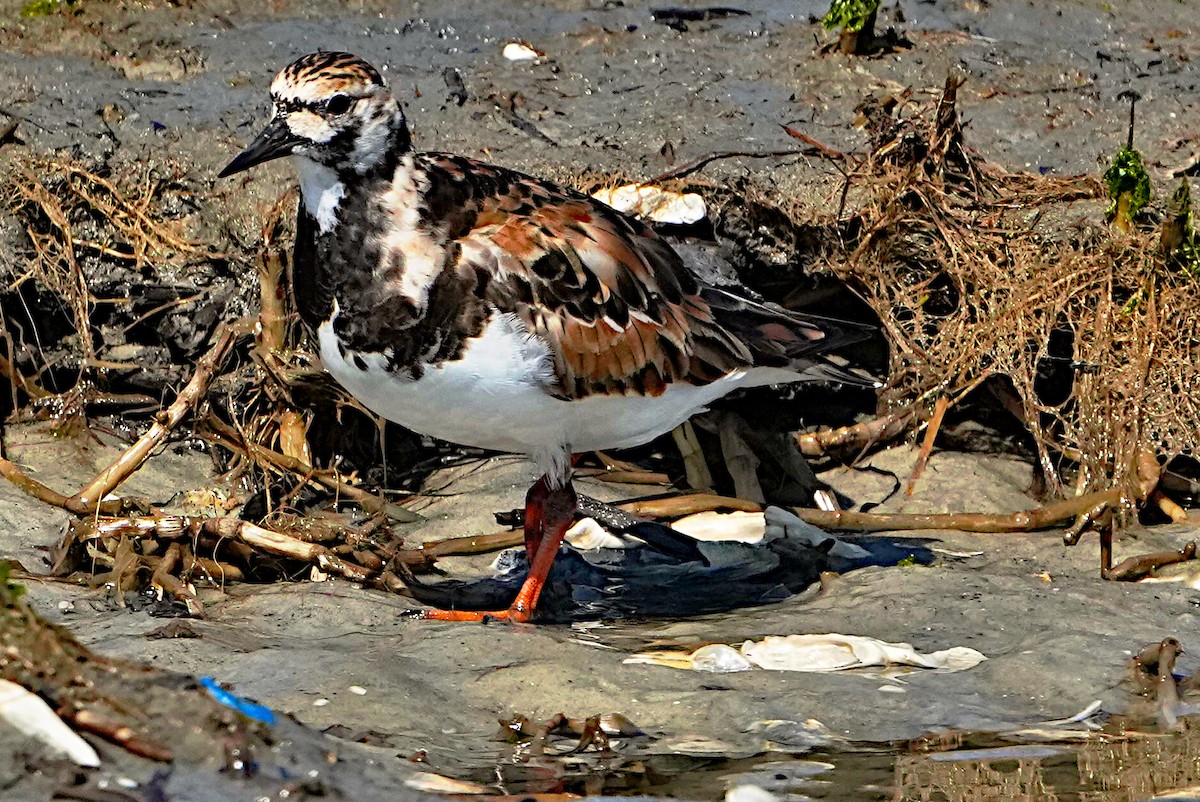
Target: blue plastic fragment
(246, 708)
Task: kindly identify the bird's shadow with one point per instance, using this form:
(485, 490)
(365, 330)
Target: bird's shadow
(671, 576)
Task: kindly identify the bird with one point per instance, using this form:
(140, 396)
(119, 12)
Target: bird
(486, 307)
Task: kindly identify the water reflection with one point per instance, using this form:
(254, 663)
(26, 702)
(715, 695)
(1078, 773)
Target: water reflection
(1119, 764)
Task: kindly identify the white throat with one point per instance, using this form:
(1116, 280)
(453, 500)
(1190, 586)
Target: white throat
(321, 191)
(371, 144)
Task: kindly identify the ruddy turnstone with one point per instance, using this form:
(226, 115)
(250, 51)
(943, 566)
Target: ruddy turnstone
(485, 307)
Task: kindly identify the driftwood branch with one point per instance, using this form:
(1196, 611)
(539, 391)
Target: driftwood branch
(1043, 517)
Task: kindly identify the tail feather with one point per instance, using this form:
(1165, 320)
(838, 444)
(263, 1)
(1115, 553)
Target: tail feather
(801, 342)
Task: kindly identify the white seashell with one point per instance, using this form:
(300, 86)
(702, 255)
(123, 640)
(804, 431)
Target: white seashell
(656, 203)
(521, 51)
(33, 717)
(749, 793)
(440, 784)
(741, 527)
(719, 658)
(588, 535)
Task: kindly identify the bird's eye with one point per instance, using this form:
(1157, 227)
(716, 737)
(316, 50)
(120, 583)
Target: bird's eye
(338, 104)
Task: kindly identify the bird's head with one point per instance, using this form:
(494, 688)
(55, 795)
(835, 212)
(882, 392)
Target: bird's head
(332, 109)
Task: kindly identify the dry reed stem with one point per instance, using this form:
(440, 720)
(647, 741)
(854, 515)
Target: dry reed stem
(626, 477)
(678, 506)
(476, 544)
(935, 423)
(1045, 517)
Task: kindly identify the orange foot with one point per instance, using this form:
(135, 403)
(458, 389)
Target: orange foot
(511, 614)
(549, 514)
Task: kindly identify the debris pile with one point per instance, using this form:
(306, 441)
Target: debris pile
(1084, 332)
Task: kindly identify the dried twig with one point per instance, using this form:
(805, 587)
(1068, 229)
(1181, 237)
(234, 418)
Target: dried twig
(476, 544)
(1143, 565)
(283, 545)
(676, 506)
(931, 431)
(856, 437)
(820, 147)
(1044, 517)
(626, 477)
(226, 436)
(111, 477)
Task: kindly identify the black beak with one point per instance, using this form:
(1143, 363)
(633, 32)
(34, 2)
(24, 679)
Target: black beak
(274, 141)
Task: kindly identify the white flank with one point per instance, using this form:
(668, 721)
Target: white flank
(321, 191)
(498, 396)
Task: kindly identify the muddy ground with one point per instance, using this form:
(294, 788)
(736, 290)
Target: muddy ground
(188, 82)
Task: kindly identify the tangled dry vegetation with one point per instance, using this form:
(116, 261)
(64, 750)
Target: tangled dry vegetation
(1089, 336)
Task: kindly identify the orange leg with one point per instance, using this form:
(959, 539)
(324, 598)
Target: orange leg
(557, 513)
(535, 502)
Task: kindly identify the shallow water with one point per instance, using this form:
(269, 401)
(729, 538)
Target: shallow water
(1116, 765)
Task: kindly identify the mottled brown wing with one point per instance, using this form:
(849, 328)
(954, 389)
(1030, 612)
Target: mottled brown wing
(618, 308)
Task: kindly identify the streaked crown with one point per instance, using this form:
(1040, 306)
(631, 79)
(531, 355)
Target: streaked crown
(319, 76)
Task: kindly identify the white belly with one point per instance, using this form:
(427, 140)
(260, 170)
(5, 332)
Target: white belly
(497, 397)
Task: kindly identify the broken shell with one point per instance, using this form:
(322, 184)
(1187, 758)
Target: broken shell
(588, 535)
(657, 204)
(749, 793)
(827, 652)
(719, 658)
(742, 527)
(517, 50)
(440, 784)
(33, 717)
